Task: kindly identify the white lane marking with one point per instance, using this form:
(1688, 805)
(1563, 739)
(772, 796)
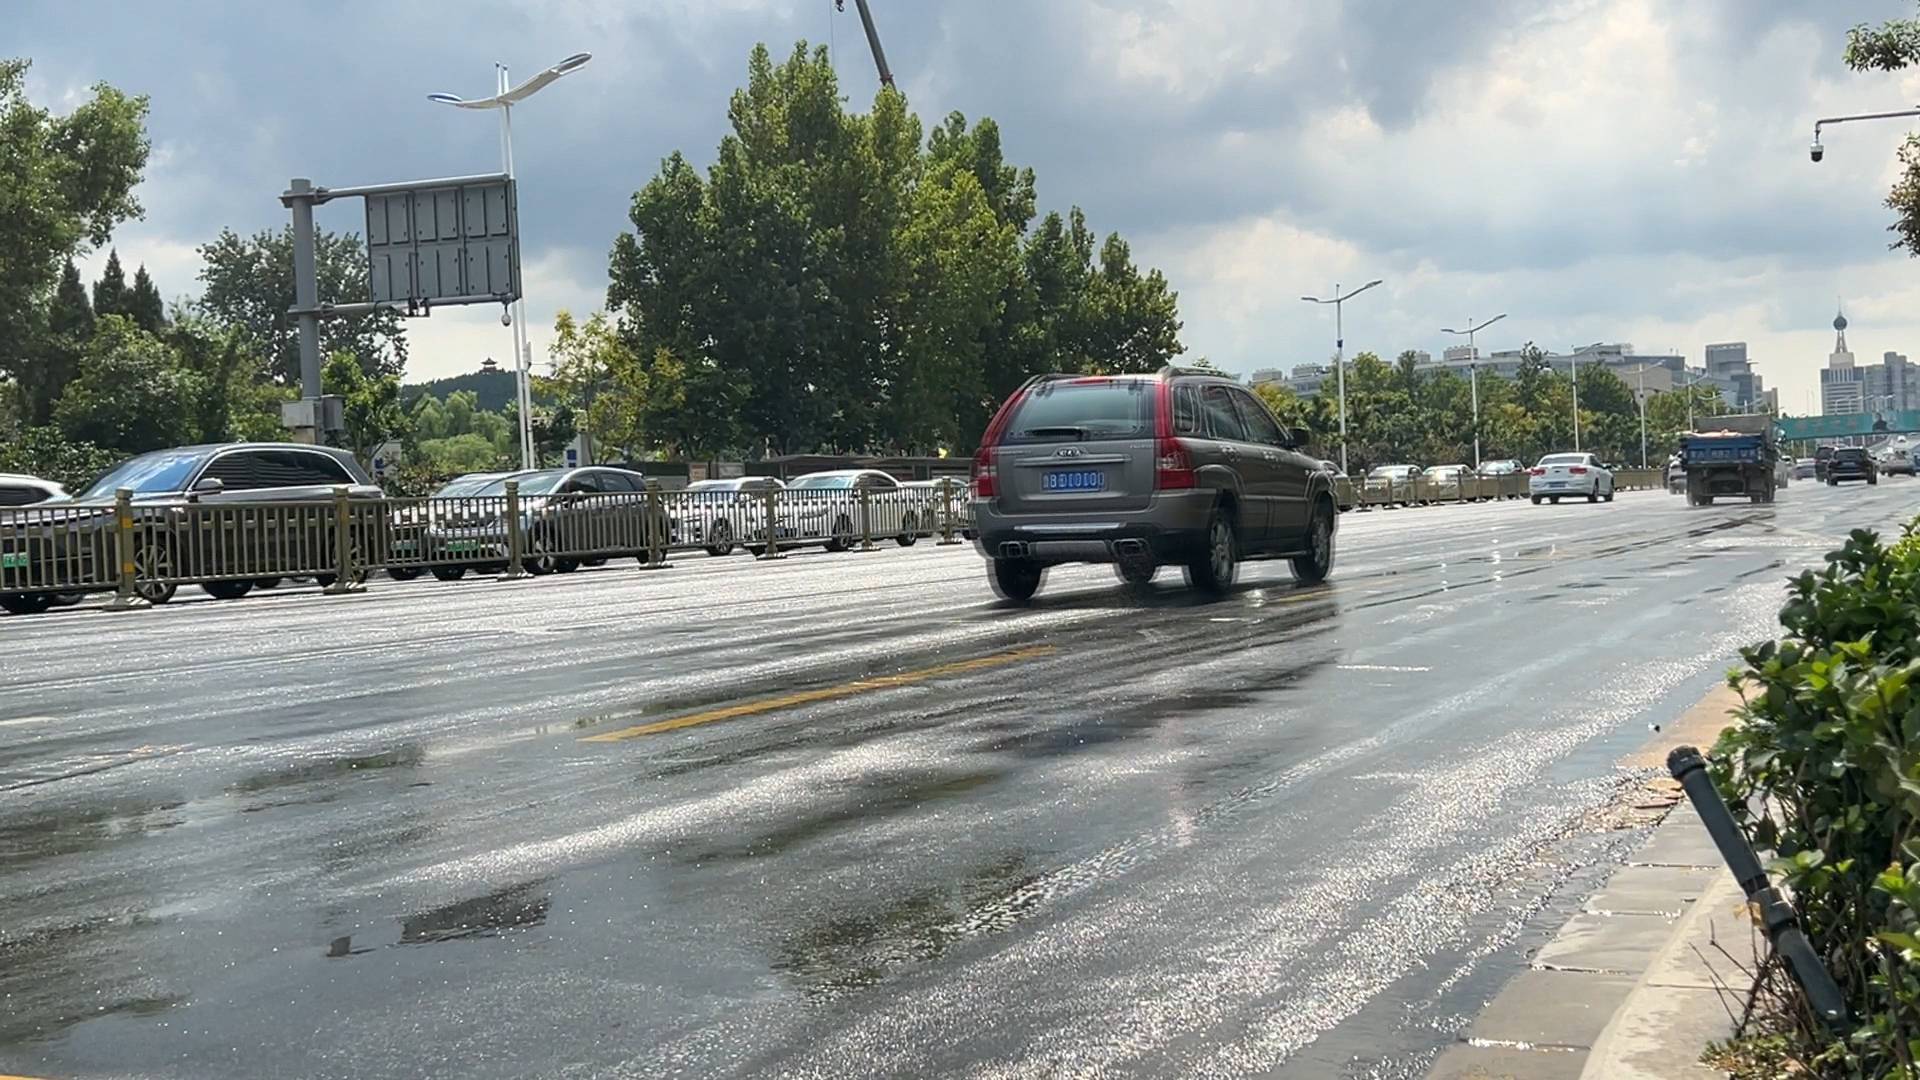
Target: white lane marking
(16, 722)
(1378, 667)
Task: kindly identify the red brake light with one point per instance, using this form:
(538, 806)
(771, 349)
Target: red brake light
(1172, 464)
(1578, 470)
(986, 475)
(1537, 470)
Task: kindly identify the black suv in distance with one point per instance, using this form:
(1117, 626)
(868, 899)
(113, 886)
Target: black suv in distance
(1851, 463)
(1180, 467)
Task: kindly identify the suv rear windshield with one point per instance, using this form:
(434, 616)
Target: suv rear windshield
(1069, 410)
(1849, 455)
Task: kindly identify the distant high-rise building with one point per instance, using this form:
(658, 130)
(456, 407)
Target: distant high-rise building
(1729, 366)
(1840, 384)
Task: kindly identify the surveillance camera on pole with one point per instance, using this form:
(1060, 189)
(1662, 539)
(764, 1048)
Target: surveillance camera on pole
(1816, 151)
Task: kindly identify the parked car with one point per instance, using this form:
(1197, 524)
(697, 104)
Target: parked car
(1391, 483)
(1444, 483)
(1179, 467)
(1805, 468)
(1559, 476)
(1501, 467)
(934, 499)
(825, 507)
(226, 555)
(721, 514)
(18, 490)
(568, 517)
(412, 525)
(1342, 492)
(1851, 463)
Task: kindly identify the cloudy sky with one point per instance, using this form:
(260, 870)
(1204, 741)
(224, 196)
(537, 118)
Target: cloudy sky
(1620, 170)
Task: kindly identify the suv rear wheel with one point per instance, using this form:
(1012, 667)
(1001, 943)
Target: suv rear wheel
(1313, 567)
(1212, 568)
(1017, 579)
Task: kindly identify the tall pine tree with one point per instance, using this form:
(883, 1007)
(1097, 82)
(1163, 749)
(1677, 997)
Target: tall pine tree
(110, 295)
(69, 326)
(144, 304)
(70, 316)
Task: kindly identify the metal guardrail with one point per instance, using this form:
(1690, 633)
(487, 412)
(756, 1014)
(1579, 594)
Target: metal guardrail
(144, 551)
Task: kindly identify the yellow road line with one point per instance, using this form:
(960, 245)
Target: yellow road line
(825, 693)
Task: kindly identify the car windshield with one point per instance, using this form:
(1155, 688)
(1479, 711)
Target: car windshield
(1068, 409)
(465, 485)
(1391, 471)
(821, 483)
(533, 483)
(149, 474)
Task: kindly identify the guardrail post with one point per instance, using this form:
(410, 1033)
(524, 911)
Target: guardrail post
(124, 597)
(772, 529)
(656, 529)
(342, 547)
(1776, 915)
(946, 515)
(516, 540)
(866, 519)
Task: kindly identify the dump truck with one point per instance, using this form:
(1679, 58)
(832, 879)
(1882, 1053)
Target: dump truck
(1737, 456)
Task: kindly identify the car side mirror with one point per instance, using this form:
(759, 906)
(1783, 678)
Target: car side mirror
(1290, 438)
(209, 485)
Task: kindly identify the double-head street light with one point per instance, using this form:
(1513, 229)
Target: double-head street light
(504, 99)
(1340, 353)
(1473, 376)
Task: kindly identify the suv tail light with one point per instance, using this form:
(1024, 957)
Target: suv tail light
(1172, 463)
(986, 474)
(1578, 470)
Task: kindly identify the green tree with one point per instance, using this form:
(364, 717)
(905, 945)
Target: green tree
(1894, 46)
(110, 294)
(65, 182)
(454, 455)
(370, 411)
(597, 375)
(69, 325)
(248, 284)
(131, 393)
(144, 304)
(44, 452)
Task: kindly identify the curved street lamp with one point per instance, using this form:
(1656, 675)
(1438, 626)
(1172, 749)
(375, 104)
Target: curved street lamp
(504, 99)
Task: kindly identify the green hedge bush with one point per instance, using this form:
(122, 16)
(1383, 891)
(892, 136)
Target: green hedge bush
(1824, 771)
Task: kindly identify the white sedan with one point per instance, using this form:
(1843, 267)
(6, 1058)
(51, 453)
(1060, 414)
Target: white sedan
(1569, 476)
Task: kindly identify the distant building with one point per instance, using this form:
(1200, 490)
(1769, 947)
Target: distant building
(1729, 366)
(1841, 389)
(1264, 376)
(1307, 379)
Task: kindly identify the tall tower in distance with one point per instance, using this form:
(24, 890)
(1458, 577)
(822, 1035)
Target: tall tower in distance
(1840, 388)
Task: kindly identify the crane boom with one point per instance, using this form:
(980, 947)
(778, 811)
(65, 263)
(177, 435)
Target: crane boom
(873, 40)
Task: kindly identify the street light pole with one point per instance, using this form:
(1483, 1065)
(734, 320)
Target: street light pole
(1643, 415)
(1473, 375)
(1340, 353)
(504, 99)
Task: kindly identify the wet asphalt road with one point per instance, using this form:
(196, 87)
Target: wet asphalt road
(1301, 833)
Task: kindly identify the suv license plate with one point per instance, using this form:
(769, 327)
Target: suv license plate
(1075, 480)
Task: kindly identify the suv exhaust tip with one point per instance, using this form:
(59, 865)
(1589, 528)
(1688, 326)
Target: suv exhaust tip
(1133, 548)
(1013, 549)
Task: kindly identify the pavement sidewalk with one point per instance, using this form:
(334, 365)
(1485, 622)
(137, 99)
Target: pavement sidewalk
(1638, 982)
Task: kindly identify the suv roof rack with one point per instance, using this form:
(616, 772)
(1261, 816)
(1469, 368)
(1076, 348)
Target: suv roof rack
(1212, 373)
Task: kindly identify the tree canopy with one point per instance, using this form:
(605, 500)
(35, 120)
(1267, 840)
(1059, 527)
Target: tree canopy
(1894, 46)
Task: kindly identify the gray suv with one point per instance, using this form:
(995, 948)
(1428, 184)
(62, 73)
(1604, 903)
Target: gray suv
(1180, 467)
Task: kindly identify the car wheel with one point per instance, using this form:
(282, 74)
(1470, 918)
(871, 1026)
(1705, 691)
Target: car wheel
(1872, 479)
(1536, 500)
(756, 551)
(153, 559)
(403, 573)
(1594, 495)
(266, 583)
(540, 559)
(841, 538)
(720, 539)
(29, 603)
(227, 590)
(909, 531)
(1016, 579)
(1212, 568)
(1831, 482)
(1554, 499)
(449, 573)
(1609, 495)
(1313, 567)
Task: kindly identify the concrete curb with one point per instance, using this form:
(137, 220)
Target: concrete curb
(1638, 982)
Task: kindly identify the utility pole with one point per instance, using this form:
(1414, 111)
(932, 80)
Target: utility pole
(1473, 375)
(1340, 353)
